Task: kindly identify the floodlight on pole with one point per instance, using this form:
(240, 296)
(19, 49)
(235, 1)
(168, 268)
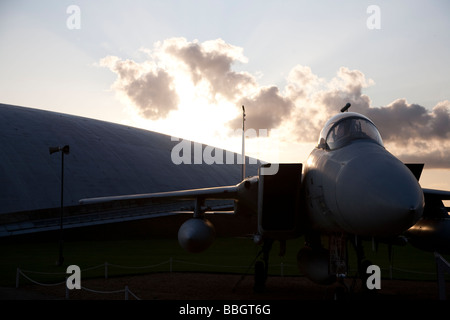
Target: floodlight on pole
(64, 150)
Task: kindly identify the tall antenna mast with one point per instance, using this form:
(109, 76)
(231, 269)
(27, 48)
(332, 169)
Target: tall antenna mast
(243, 142)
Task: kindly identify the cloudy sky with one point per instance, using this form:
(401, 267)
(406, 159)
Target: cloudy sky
(185, 68)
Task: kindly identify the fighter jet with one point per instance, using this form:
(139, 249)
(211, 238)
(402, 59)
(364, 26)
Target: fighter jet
(350, 188)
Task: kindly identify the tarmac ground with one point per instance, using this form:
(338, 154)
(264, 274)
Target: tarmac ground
(213, 286)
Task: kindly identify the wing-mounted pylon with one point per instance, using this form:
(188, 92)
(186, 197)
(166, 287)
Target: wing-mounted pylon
(274, 198)
(198, 233)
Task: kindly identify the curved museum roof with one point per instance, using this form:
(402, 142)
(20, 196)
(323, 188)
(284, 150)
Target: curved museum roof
(105, 159)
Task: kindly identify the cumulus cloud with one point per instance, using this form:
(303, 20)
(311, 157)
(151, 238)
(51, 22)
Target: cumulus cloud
(211, 62)
(154, 86)
(403, 121)
(176, 67)
(150, 89)
(317, 99)
(266, 109)
(414, 133)
(410, 131)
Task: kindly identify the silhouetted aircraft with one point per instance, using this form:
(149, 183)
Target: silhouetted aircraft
(350, 188)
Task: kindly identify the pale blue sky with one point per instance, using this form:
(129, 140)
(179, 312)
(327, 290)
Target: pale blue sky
(43, 64)
(407, 57)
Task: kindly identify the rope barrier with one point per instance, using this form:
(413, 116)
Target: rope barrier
(171, 261)
(36, 282)
(127, 291)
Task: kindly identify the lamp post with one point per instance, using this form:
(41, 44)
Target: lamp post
(63, 150)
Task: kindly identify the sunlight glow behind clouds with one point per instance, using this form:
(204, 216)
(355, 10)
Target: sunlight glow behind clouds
(190, 86)
(289, 52)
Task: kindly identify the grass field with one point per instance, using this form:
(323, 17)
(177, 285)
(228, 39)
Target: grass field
(229, 255)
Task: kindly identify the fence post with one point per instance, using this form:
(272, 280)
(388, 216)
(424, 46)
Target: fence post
(106, 270)
(17, 277)
(171, 261)
(126, 292)
(441, 266)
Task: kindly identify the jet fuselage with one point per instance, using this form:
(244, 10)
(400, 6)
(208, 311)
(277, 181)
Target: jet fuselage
(352, 184)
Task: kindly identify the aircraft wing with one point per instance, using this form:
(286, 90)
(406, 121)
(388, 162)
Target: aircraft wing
(243, 193)
(101, 210)
(154, 200)
(433, 197)
(432, 231)
(215, 193)
(237, 199)
(434, 206)
(438, 194)
(194, 235)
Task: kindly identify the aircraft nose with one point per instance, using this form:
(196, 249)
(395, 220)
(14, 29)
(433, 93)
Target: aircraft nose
(377, 194)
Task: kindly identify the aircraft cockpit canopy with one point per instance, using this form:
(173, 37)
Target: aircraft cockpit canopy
(344, 128)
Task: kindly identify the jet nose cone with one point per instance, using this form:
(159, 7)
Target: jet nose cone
(378, 195)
